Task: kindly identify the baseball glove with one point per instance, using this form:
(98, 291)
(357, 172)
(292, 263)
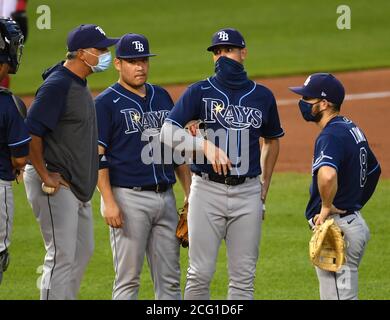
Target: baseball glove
(327, 246)
(182, 226)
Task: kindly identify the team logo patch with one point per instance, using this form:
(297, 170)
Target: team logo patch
(138, 46)
(322, 156)
(222, 35)
(148, 123)
(100, 30)
(231, 117)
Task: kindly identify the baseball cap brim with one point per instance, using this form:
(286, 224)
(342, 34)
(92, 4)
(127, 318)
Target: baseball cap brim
(108, 42)
(303, 91)
(135, 56)
(224, 44)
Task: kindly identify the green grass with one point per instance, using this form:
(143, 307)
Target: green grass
(283, 272)
(283, 37)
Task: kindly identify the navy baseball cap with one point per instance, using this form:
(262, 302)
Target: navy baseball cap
(132, 46)
(227, 36)
(89, 36)
(322, 86)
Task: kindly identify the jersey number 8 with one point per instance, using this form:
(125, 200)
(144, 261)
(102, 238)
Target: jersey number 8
(363, 167)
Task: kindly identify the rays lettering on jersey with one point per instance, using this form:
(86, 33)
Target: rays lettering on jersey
(137, 122)
(231, 117)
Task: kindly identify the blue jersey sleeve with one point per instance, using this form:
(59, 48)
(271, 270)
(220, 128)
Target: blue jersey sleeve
(18, 137)
(328, 152)
(47, 108)
(187, 108)
(104, 117)
(168, 97)
(272, 127)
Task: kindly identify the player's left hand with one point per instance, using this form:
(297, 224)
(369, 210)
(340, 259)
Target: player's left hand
(325, 212)
(320, 219)
(335, 210)
(196, 128)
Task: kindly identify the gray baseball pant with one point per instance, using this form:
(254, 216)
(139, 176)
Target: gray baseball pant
(233, 213)
(6, 213)
(343, 285)
(67, 229)
(150, 221)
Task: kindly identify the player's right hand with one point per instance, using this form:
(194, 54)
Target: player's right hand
(217, 157)
(113, 215)
(54, 180)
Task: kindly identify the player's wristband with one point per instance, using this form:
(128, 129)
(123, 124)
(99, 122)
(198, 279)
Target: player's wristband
(103, 163)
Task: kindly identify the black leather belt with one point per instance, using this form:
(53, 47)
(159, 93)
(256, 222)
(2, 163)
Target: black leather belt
(229, 180)
(342, 215)
(158, 188)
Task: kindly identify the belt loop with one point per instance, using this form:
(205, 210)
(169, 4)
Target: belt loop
(158, 187)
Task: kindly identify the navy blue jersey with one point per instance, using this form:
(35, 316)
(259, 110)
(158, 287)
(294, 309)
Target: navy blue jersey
(244, 115)
(126, 124)
(14, 137)
(343, 146)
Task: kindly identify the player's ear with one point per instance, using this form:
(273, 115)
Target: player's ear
(118, 64)
(327, 104)
(81, 54)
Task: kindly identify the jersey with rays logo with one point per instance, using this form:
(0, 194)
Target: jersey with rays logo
(127, 123)
(235, 120)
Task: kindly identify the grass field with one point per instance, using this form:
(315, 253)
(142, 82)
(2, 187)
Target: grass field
(283, 37)
(284, 270)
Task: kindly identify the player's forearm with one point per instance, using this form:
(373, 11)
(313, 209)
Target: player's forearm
(104, 186)
(327, 186)
(18, 163)
(183, 174)
(176, 137)
(269, 155)
(36, 157)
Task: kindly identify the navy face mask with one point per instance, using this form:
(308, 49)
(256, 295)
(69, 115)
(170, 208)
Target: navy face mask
(231, 73)
(306, 109)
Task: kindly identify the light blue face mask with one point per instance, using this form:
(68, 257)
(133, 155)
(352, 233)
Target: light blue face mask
(103, 64)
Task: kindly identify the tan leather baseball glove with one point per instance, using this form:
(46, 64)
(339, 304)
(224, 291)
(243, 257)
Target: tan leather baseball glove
(182, 226)
(327, 246)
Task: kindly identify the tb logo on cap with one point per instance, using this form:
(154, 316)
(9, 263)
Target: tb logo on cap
(138, 46)
(307, 81)
(100, 30)
(223, 36)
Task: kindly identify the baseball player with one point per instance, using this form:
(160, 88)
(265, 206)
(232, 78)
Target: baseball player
(138, 202)
(345, 173)
(16, 10)
(64, 158)
(14, 137)
(137, 197)
(227, 195)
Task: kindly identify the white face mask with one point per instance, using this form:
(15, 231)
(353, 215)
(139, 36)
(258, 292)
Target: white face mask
(103, 63)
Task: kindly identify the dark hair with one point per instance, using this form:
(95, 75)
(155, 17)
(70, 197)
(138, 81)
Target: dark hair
(335, 107)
